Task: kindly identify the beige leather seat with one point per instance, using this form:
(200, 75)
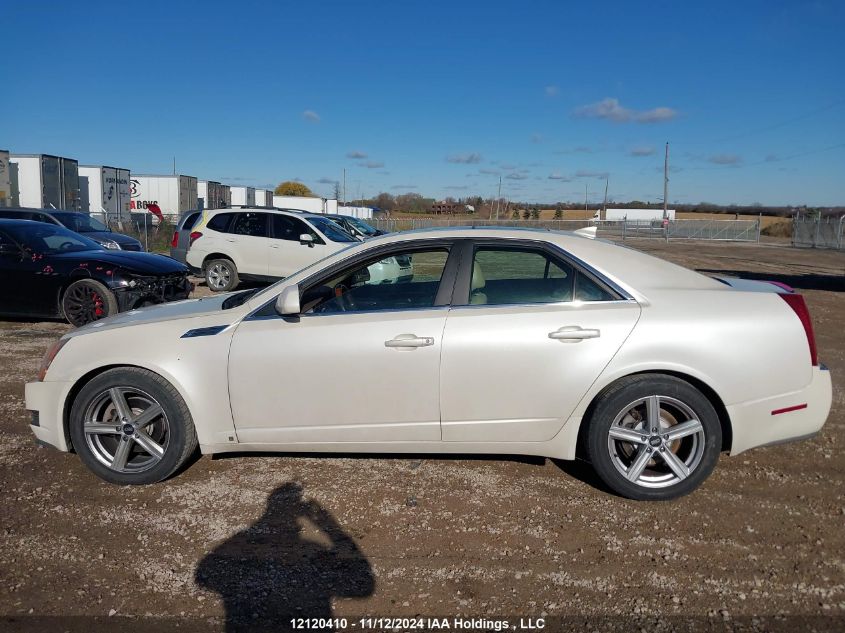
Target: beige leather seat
(476, 291)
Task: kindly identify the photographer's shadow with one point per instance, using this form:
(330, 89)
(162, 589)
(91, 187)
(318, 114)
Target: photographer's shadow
(269, 573)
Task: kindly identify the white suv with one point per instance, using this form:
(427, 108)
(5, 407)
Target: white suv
(260, 244)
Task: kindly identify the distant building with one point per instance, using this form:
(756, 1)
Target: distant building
(451, 208)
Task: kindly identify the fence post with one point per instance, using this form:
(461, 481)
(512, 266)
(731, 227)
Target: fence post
(818, 230)
(759, 225)
(839, 233)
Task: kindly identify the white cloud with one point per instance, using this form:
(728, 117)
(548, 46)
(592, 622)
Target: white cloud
(356, 154)
(725, 159)
(642, 150)
(310, 115)
(465, 159)
(611, 110)
(558, 176)
(583, 173)
(516, 176)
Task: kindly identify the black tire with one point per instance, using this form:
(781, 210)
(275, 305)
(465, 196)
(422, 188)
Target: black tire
(176, 425)
(87, 300)
(221, 275)
(610, 457)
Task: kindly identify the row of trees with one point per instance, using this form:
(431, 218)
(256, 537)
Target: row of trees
(412, 202)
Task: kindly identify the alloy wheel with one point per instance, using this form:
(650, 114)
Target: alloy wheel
(126, 430)
(218, 276)
(656, 441)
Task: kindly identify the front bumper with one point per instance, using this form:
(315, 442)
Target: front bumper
(783, 418)
(46, 403)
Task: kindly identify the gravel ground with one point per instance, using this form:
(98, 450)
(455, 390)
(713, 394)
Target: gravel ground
(250, 538)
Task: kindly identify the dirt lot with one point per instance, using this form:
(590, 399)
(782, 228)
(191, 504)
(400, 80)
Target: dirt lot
(248, 537)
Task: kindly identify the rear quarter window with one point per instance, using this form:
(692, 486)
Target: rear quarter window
(189, 221)
(220, 222)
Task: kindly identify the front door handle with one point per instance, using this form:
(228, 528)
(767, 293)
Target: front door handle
(573, 333)
(409, 341)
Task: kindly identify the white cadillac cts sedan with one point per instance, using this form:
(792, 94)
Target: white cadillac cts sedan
(500, 341)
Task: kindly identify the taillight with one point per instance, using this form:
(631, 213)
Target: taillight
(193, 237)
(175, 241)
(796, 302)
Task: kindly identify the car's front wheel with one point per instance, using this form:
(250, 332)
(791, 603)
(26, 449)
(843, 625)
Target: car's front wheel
(221, 275)
(653, 437)
(87, 300)
(130, 426)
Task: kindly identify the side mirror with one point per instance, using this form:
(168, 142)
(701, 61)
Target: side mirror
(306, 239)
(287, 303)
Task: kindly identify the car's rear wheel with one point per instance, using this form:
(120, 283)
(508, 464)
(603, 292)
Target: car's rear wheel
(87, 300)
(653, 437)
(131, 426)
(221, 275)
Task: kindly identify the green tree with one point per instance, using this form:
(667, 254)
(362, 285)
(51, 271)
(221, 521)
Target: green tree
(293, 188)
(526, 215)
(515, 215)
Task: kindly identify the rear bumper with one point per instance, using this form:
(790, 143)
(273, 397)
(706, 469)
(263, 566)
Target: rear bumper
(787, 417)
(46, 402)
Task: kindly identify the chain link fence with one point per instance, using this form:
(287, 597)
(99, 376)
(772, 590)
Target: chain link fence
(818, 232)
(728, 230)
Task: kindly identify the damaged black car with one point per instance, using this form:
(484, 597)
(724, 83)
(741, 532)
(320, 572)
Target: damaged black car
(47, 271)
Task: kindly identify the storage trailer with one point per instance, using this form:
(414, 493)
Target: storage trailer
(300, 203)
(43, 181)
(5, 184)
(243, 196)
(637, 215)
(172, 194)
(104, 191)
(212, 195)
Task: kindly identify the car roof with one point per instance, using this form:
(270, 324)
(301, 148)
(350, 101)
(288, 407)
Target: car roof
(10, 222)
(31, 209)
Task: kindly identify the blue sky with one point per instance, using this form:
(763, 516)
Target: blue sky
(442, 98)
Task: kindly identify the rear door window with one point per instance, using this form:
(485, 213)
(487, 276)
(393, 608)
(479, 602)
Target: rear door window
(251, 224)
(189, 221)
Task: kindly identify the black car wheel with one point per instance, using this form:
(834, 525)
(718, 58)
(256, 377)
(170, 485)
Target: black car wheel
(87, 300)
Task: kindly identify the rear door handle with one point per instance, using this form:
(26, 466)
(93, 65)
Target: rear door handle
(410, 341)
(573, 333)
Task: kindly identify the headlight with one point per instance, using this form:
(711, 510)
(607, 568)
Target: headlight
(51, 354)
(111, 245)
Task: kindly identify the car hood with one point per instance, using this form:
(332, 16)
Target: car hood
(134, 262)
(108, 236)
(172, 311)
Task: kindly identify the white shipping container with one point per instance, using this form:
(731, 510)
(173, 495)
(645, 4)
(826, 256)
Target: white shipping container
(104, 190)
(261, 198)
(43, 181)
(243, 196)
(5, 184)
(173, 194)
(638, 215)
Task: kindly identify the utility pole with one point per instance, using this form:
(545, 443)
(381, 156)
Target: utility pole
(586, 188)
(344, 186)
(499, 198)
(604, 206)
(174, 165)
(666, 183)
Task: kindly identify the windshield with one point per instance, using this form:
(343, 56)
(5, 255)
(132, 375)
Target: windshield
(80, 222)
(362, 226)
(49, 239)
(331, 230)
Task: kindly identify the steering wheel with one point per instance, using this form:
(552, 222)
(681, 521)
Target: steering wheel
(65, 245)
(344, 298)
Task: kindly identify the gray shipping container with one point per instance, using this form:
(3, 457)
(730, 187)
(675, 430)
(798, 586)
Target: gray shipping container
(104, 190)
(5, 184)
(44, 181)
